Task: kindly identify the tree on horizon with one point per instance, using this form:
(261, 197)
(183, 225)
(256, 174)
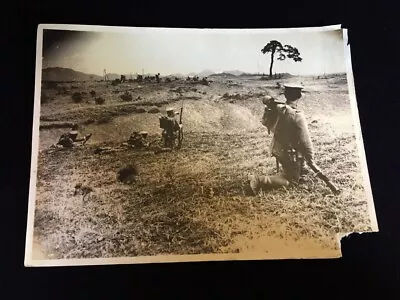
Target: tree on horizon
(287, 51)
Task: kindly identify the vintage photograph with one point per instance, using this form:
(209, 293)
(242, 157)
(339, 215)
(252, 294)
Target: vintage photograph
(178, 145)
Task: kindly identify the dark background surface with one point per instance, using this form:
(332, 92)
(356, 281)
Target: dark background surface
(370, 261)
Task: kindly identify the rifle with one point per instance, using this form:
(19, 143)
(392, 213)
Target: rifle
(152, 142)
(180, 134)
(86, 138)
(325, 179)
(180, 117)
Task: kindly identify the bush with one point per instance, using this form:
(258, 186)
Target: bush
(77, 97)
(115, 82)
(126, 97)
(92, 93)
(99, 100)
(128, 174)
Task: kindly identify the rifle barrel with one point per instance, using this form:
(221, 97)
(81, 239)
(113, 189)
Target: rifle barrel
(325, 179)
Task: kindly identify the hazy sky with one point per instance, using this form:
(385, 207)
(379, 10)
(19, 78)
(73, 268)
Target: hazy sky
(185, 51)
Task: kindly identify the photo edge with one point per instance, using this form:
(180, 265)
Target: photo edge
(34, 147)
(359, 135)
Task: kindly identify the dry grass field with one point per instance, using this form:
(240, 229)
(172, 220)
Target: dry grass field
(191, 201)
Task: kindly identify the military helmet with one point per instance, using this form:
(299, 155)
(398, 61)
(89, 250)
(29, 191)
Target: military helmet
(293, 86)
(143, 133)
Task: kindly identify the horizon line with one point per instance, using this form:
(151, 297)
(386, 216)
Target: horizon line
(196, 73)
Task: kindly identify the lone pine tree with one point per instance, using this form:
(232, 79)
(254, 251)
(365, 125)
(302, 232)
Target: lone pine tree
(287, 51)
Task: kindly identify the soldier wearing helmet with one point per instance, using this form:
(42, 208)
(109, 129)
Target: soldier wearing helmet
(67, 140)
(291, 143)
(170, 128)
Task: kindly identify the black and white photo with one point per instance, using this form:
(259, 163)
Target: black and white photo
(175, 145)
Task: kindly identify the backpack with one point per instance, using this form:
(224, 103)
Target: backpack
(163, 122)
(166, 123)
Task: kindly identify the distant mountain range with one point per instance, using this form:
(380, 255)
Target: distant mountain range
(206, 73)
(67, 74)
(234, 72)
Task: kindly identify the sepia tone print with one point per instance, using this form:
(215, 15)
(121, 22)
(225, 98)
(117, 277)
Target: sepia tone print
(167, 145)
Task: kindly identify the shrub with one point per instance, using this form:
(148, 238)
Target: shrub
(128, 174)
(126, 97)
(99, 100)
(115, 82)
(77, 97)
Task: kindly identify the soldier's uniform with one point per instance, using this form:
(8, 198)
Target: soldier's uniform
(170, 130)
(291, 145)
(138, 139)
(67, 140)
(143, 141)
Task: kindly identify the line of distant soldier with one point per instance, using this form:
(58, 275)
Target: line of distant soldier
(157, 79)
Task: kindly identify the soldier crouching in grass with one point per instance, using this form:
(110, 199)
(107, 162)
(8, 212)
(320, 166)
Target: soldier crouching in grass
(68, 140)
(291, 143)
(138, 140)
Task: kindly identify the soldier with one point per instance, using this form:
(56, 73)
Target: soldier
(144, 135)
(143, 143)
(133, 137)
(170, 126)
(73, 134)
(291, 143)
(67, 140)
